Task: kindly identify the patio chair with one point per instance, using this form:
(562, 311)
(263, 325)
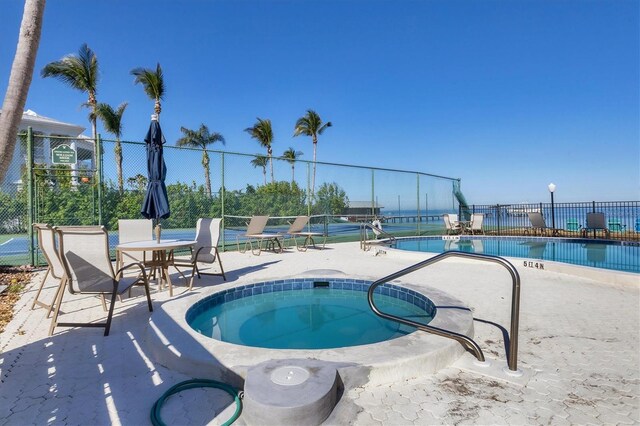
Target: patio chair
(47, 245)
(615, 225)
(296, 229)
(595, 222)
(538, 224)
(130, 230)
(573, 225)
(476, 223)
(206, 249)
(255, 231)
(84, 252)
(450, 225)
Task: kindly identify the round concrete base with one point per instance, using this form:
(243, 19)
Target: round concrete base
(289, 391)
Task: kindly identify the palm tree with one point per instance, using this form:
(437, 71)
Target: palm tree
(263, 133)
(112, 122)
(291, 155)
(19, 80)
(261, 161)
(200, 139)
(311, 125)
(153, 84)
(81, 73)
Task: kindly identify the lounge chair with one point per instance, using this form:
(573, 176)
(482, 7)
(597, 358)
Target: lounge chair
(476, 223)
(296, 229)
(206, 249)
(47, 244)
(84, 252)
(573, 225)
(615, 225)
(255, 231)
(538, 224)
(595, 222)
(451, 226)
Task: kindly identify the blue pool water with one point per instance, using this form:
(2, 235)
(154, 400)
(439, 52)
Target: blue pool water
(292, 314)
(615, 255)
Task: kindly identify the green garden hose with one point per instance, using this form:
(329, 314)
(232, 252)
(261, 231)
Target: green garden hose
(190, 384)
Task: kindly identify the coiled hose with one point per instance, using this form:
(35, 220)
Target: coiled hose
(156, 419)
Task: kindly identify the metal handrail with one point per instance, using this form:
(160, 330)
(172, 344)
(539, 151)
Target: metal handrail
(363, 234)
(512, 355)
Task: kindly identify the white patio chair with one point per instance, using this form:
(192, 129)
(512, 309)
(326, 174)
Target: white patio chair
(206, 249)
(84, 252)
(451, 224)
(476, 223)
(47, 245)
(130, 230)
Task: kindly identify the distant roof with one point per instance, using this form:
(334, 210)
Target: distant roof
(363, 205)
(31, 118)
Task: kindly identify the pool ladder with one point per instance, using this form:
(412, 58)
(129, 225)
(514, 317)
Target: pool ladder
(465, 341)
(365, 244)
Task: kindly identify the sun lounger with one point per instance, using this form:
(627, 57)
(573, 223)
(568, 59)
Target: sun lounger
(255, 231)
(595, 222)
(538, 224)
(296, 229)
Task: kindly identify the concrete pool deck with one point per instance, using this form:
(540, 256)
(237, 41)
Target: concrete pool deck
(579, 341)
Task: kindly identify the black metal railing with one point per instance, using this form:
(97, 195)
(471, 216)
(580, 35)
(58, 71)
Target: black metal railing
(569, 219)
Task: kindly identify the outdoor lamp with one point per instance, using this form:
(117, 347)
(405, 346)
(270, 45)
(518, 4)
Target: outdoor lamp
(552, 188)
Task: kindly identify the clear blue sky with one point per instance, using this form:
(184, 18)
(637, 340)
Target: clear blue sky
(506, 95)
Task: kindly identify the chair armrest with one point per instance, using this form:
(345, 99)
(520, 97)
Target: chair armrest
(125, 267)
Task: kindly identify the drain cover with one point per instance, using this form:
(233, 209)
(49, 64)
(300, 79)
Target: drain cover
(289, 375)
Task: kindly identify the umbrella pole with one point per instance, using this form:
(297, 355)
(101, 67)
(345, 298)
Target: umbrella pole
(158, 230)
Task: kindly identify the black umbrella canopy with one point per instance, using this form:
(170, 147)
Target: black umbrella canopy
(156, 202)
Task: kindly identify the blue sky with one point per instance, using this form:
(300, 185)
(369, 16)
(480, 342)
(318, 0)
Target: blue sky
(506, 95)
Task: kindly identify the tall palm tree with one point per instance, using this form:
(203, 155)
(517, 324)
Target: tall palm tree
(81, 73)
(153, 84)
(311, 125)
(200, 139)
(19, 80)
(263, 133)
(261, 161)
(112, 122)
(291, 155)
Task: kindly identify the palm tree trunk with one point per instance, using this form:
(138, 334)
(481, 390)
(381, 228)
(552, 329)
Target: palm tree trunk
(264, 174)
(207, 176)
(293, 176)
(117, 150)
(19, 80)
(270, 163)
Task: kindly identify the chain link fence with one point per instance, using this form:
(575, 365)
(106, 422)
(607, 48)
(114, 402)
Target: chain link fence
(108, 179)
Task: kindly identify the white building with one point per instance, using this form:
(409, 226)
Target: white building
(43, 128)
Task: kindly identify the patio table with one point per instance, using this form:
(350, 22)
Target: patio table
(162, 255)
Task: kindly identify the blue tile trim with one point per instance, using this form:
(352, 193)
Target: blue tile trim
(274, 286)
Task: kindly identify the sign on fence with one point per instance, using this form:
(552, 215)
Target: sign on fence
(63, 154)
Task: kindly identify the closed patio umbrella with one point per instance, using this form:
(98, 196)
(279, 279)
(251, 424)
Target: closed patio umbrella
(155, 204)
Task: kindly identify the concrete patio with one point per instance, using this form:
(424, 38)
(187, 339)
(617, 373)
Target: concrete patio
(579, 344)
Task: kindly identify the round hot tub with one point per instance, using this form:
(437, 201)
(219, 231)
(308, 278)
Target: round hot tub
(224, 332)
(307, 313)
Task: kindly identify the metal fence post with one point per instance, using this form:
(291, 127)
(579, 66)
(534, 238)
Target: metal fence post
(309, 189)
(373, 194)
(30, 196)
(99, 176)
(498, 217)
(418, 200)
(222, 201)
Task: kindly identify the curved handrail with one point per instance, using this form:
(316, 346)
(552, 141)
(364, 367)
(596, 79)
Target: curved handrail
(363, 234)
(512, 355)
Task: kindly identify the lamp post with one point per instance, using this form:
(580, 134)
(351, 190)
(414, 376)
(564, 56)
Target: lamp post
(552, 188)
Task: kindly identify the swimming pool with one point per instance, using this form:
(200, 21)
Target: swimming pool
(614, 255)
(307, 314)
